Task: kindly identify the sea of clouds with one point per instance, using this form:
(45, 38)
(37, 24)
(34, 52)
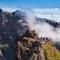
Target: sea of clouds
(42, 28)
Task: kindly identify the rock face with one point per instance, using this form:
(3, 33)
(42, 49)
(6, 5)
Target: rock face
(11, 26)
(29, 48)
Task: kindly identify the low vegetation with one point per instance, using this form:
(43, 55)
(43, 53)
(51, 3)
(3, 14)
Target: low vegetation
(51, 53)
(3, 46)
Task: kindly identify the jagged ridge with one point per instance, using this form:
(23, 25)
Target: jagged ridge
(33, 48)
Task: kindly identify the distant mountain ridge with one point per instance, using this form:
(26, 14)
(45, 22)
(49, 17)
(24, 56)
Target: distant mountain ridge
(50, 22)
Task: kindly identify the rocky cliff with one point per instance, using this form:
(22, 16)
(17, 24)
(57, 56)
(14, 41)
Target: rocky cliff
(30, 47)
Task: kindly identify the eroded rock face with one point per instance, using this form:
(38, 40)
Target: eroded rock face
(29, 48)
(11, 26)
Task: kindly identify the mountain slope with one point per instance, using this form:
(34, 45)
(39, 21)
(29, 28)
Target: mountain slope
(51, 53)
(38, 48)
(13, 25)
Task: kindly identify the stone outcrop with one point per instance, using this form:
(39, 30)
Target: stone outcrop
(29, 48)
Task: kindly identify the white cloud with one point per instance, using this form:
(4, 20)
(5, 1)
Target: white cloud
(42, 28)
(10, 9)
(49, 13)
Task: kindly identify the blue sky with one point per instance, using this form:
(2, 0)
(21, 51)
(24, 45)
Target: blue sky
(30, 3)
